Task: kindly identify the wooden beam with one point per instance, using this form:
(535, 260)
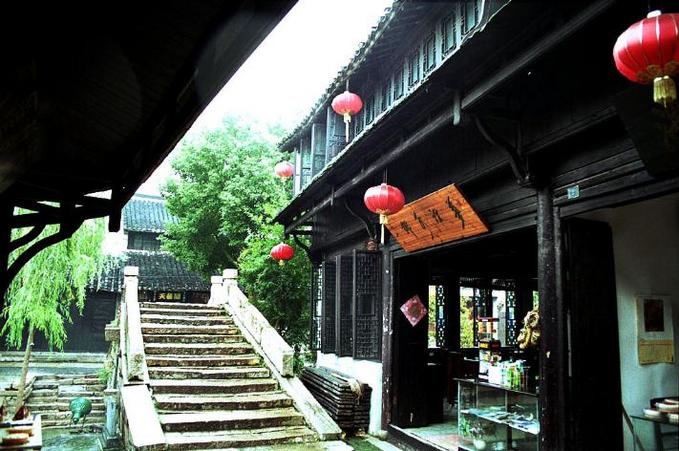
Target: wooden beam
(443, 118)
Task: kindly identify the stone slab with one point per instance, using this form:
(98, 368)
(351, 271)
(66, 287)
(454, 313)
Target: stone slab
(142, 421)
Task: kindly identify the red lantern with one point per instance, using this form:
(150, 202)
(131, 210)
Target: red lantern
(384, 200)
(284, 169)
(347, 104)
(282, 252)
(648, 51)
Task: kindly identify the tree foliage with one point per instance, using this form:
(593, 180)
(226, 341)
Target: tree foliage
(225, 196)
(42, 294)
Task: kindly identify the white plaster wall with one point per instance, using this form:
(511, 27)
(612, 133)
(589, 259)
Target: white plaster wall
(646, 246)
(366, 371)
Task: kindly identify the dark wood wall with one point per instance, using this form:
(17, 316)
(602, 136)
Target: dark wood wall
(86, 332)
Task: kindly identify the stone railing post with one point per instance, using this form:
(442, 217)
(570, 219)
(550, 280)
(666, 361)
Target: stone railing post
(217, 295)
(230, 277)
(135, 342)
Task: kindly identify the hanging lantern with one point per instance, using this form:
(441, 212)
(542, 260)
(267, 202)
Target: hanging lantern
(648, 51)
(384, 200)
(347, 104)
(282, 252)
(284, 169)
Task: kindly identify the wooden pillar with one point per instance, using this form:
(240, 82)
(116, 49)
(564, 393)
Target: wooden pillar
(387, 335)
(553, 346)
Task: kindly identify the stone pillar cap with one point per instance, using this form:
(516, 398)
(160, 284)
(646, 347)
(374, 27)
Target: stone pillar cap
(230, 273)
(131, 271)
(216, 280)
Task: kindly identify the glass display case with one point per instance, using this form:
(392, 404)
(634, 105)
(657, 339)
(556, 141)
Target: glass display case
(492, 417)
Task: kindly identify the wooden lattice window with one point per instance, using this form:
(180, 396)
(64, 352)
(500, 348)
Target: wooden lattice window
(305, 149)
(317, 148)
(144, 241)
(367, 305)
(441, 294)
(449, 39)
(328, 343)
(398, 83)
(470, 15)
(358, 122)
(429, 52)
(369, 110)
(386, 96)
(317, 291)
(345, 320)
(414, 68)
(334, 136)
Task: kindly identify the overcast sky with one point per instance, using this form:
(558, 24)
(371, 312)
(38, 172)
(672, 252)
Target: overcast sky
(293, 66)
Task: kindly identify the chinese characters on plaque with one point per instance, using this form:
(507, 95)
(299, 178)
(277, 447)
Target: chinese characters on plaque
(437, 218)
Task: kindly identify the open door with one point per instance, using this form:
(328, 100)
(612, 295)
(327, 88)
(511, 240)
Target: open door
(409, 407)
(595, 394)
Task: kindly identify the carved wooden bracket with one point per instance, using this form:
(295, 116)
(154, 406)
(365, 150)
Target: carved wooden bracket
(517, 160)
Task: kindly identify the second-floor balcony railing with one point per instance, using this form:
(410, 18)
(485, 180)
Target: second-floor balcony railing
(322, 137)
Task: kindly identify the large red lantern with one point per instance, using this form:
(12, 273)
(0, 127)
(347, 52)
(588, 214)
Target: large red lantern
(384, 200)
(282, 252)
(648, 51)
(284, 169)
(347, 104)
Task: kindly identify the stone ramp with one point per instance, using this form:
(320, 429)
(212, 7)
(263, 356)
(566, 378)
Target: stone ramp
(211, 389)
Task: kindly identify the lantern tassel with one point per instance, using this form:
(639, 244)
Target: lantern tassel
(347, 121)
(383, 220)
(281, 262)
(664, 90)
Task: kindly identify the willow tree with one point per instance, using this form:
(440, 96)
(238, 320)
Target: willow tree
(42, 294)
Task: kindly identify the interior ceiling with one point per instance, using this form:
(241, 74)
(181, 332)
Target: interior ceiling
(93, 96)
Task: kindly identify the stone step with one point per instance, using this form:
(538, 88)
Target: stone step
(96, 405)
(195, 338)
(184, 329)
(194, 349)
(204, 360)
(212, 386)
(208, 373)
(240, 401)
(187, 320)
(230, 419)
(182, 312)
(89, 421)
(46, 393)
(59, 404)
(66, 415)
(238, 438)
(179, 305)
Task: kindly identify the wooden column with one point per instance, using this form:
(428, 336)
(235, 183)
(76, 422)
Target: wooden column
(387, 335)
(553, 346)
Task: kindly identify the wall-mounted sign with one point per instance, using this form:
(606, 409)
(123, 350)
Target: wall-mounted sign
(436, 218)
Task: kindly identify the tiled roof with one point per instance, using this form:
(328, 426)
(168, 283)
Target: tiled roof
(158, 271)
(146, 214)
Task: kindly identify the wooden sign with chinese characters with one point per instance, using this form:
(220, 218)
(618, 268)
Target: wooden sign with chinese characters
(437, 218)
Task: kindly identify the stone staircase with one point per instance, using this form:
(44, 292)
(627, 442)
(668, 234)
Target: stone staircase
(210, 388)
(52, 395)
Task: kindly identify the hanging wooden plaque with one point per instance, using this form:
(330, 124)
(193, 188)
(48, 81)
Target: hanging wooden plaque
(440, 217)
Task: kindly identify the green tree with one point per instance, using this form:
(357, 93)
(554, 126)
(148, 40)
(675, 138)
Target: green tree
(42, 294)
(225, 196)
(224, 193)
(280, 292)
